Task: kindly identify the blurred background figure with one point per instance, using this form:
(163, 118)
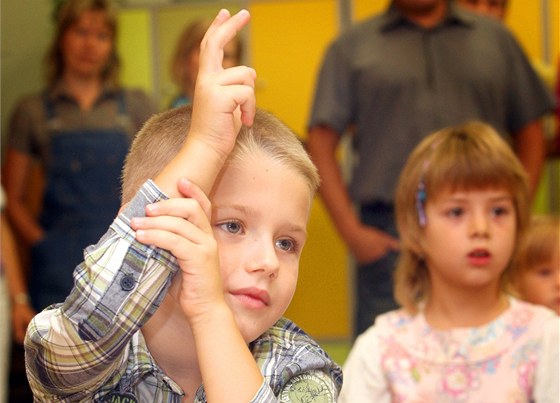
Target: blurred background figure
(13, 297)
(492, 8)
(184, 67)
(537, 268)
(78, 130)
(390, 80)
(497, 9)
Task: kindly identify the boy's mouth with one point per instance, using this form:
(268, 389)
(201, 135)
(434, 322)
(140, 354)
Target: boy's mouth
(252, 296)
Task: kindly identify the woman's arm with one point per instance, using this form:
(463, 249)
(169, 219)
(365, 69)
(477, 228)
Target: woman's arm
(17, 173)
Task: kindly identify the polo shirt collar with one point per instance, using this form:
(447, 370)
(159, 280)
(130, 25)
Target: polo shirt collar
(394, 18)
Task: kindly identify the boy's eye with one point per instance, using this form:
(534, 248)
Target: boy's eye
(287, 245)
(233, 227)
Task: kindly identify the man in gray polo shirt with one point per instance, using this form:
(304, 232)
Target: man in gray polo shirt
(419, 66)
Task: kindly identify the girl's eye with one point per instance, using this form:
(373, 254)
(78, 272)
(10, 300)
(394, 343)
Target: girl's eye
(233, 227)
(544, 272)
(500, 211)
(80, 31)
(455, 212)
(287, 245)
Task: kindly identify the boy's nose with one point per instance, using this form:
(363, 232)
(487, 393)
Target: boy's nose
(263, 258)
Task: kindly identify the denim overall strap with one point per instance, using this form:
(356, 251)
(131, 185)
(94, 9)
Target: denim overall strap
(82, 197)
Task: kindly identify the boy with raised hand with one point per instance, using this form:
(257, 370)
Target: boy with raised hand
(182, 299)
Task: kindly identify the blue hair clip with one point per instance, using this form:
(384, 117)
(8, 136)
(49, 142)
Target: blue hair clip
(420, 202)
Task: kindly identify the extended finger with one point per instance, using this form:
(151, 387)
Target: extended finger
(162, 231)
(242, 75)
(182, 208)
(179, 246)
(222, 30)
(192, 191)
(244, 97)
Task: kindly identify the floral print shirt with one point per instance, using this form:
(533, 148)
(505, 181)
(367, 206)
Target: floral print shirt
(401, 358)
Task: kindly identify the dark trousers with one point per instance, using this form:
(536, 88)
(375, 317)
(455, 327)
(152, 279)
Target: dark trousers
(374, 281)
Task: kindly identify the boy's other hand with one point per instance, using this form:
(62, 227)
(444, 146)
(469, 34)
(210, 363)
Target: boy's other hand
(224, 99)
(182, 226)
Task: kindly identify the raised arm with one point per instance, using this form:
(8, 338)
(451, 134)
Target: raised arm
(224, 99)
(530, 148)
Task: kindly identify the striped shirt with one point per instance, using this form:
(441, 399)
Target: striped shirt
(90, 347)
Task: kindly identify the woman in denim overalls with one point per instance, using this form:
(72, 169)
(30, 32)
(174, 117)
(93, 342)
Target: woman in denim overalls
(79, 129)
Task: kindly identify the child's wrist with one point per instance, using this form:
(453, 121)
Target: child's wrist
(202, 154)
(215, 153)
(208, 319)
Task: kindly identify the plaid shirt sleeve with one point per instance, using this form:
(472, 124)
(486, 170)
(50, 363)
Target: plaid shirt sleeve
(74, 348)
(296, 369)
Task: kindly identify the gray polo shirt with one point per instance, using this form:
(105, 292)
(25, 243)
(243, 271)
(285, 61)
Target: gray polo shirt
(397, 82)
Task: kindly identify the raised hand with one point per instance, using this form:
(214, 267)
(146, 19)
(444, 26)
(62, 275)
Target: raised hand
(224, 98)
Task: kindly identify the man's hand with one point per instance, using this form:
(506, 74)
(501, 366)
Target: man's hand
(369, 244)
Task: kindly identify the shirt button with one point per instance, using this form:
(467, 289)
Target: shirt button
(127, 282)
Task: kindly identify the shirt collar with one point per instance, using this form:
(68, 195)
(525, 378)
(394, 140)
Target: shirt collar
(59, 91)
(394, 18)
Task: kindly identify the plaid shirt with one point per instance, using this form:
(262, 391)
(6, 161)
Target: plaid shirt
(89, 348)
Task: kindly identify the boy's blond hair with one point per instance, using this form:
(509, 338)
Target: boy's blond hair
(466, 157)
(541, 241)
(163, 135)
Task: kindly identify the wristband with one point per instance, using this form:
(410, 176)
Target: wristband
(22, 298)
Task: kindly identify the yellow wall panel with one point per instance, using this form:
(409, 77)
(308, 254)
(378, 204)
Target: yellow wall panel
(554, 18)
(365, 8)
(524, 19)
(288, 39)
